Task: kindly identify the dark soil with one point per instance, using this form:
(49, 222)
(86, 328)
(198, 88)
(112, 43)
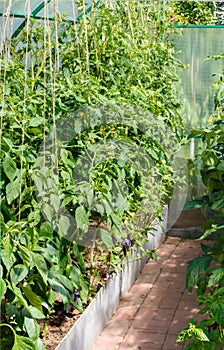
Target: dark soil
(57, 328)
(59, 323)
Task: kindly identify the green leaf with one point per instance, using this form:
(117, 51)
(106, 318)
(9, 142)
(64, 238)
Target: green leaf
(75, 275)
(217, 311)
(23, 343)
(34, 218)
(55, 201)
(193, 332)
(18, 273)
(32, 328)
(41, 265)
(36, 121)
(5, 211)
(218, 292)
(84, 291)
(3, 289)
(33, 312)
(12, 190)
(19, 295)
(7, 255)
(51, 297)
(209, 231)
(207, 250)
(219, 204)
(197, 203)
(48, 211)
(33, 298)
(220, 166)
(195, 268)
(7, 245)
(9, 167)
(82, 218)
(39, 344)
(60, 289)
(25, 255)
(65, 281)
(39, 181)
(64, 225)
(107, 239)
(46, 230)
(79, 257)
(216, 275)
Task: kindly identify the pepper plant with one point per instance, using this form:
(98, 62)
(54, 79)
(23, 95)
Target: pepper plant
(206, 272)
(116, 56)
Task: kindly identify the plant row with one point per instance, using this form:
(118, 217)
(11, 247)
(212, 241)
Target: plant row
(85, 155)
(206, 273)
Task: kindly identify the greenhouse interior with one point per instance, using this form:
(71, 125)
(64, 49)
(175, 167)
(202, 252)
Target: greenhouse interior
(112, 174)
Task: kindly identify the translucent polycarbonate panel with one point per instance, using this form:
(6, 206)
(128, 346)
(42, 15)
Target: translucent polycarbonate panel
(196, 88)
(67, 8)
(18, 7)
(8, 26)
(38, 7)
(193, 47)
(13, 13)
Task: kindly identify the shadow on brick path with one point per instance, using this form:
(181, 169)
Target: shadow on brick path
(158, 306)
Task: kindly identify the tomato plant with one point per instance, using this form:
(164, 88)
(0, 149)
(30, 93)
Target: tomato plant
(194, 12)
(117, 56)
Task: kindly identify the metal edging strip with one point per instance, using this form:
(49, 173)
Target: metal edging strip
(197, 26)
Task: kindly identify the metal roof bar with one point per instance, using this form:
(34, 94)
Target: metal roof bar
(34, 14)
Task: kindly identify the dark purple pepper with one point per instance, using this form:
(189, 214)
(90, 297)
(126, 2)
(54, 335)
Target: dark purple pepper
(74, 296)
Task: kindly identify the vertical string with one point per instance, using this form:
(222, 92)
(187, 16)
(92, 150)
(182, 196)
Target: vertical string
(4, 56)
(6, 31)
(45, 56)
(55, 71)
(86, 36)
(97, 51)
(131, 23)
(6, 22)
(144, 19)
(56, 19)
(77, 39)
(52, 81)
(27, 9)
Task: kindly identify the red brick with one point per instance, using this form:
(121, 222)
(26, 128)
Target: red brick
(141, 288)
(173, 240)
(148, 319)
(172, 276)
(158, 306)
(153, 299)
(132, 299)
(170, 343)
(176, 286)
(175, 265)
(107, 342)
(151, 264)
(125, 312)
(142, 340)
(116, 327)
(171, 300)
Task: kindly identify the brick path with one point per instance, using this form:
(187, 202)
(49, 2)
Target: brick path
(158, 306)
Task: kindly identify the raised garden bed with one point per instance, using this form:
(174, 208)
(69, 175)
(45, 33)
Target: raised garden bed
(85, 331)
